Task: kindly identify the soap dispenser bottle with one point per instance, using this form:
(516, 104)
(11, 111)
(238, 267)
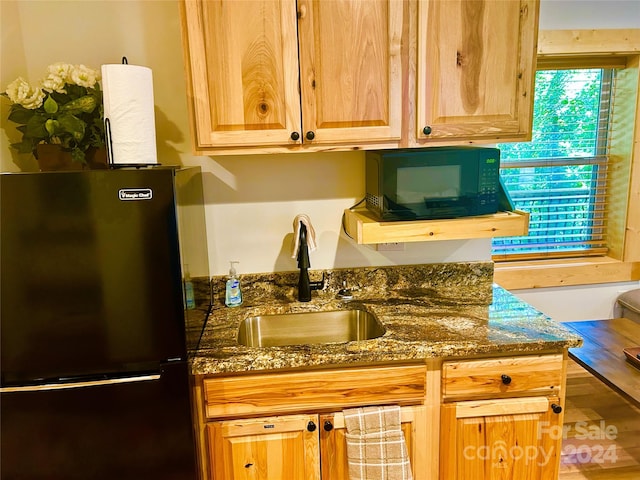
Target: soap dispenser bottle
(189, 296)
(233, 292)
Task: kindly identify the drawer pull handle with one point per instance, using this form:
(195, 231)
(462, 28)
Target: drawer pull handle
(311, 427)
(506, 379)
(328, 426)
(556, 408)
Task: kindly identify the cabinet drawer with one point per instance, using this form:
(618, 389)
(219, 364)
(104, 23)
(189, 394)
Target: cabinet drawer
(313, 390)
(498, 377)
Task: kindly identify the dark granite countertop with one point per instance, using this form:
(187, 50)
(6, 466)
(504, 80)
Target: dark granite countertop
(435, 310)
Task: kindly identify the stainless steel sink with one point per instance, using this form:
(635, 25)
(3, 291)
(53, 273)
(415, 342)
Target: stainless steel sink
(309, 328)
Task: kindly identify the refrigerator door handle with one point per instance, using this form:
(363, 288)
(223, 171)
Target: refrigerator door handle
(92, 383)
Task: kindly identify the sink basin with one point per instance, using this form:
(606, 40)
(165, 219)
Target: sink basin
(309, 328)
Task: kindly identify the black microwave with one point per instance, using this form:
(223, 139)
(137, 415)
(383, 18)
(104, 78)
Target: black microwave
(432, 183)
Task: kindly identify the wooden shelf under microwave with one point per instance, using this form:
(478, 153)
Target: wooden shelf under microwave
(365, 229)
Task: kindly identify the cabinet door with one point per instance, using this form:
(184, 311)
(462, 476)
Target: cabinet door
(510, 439)
(242, 60)
(476, 66)
(264, 448)
(350, 70)
(333, 444)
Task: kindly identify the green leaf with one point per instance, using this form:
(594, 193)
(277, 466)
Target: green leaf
(50, 105)
(23, 147)
(77, 155)
(35, 127)
(72, 125)
(75, 91)
(51, 126)
(83, 104)
(19, 114)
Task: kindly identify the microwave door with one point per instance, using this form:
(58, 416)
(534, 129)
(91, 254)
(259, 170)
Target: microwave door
(395, 211)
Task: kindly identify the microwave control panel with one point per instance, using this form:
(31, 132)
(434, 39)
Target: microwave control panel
(489, 181)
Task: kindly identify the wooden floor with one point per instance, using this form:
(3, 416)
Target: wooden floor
(602, 428)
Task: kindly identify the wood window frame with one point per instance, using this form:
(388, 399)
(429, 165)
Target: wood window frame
(623, 260)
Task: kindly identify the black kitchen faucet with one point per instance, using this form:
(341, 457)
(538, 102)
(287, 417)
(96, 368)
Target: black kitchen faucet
(304, 284)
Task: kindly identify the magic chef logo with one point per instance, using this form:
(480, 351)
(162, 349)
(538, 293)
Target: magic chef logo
(135, 194)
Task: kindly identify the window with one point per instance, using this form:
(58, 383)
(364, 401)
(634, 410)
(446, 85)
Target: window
(560, 177)
(607, 49)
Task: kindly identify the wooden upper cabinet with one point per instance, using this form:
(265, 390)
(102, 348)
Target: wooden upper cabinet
(350, 70)
(281, 73)
(242, 62)
(475, 68)
(268, 76)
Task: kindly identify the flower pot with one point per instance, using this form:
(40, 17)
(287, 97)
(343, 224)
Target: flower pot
(96, 158)
(53, 158)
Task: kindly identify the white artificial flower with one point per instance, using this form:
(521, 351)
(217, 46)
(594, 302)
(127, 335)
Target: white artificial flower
(16, 90)
(54, 83)
(84, 76)
(61, 70)
(19, 91)
(57, 77)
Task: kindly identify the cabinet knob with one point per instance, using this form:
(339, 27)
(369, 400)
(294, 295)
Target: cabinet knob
(427, 130)
(506, 379)
(556, 408)
(310, 135)
(328, 426)
(311, 427)
(295, 136)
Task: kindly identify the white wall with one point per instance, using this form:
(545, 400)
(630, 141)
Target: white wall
(568, 304)
(251, 200)
(589, 14)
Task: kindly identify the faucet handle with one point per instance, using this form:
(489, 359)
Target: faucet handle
(319, 285)
(345, 293)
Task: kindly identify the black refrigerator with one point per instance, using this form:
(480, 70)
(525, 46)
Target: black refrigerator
(96, 270)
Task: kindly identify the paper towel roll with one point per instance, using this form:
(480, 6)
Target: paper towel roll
(128, 107)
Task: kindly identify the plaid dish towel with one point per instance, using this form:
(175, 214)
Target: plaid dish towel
(376, 449)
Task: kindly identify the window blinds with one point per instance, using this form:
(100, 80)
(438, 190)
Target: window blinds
(560, 177)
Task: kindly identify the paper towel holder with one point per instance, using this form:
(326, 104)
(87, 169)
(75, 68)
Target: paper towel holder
(109, 147)
(108, 143)
(107, 132)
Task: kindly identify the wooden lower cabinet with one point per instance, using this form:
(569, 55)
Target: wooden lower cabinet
(333, 444)
(494, 418)
(296, 447)
(283, 447)
(506, 439)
